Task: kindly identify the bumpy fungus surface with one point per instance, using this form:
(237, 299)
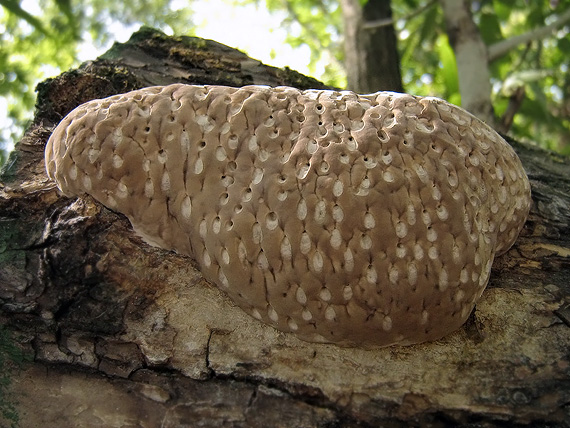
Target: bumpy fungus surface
(362, 220)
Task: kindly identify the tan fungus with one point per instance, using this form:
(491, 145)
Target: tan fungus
(361, 220)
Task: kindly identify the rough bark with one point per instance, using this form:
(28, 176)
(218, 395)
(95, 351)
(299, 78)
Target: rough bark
(122, 334)
(371, 54)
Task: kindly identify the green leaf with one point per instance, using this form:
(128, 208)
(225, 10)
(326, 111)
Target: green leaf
(564, 45)
(65, 7)
(430, 24)
(490, 28)
(53, 43)
(448, 69)
(15, 8)
(503, 9)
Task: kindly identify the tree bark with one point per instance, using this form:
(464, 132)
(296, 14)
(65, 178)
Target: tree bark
(371, 54)
(120, 333)
(471, 56)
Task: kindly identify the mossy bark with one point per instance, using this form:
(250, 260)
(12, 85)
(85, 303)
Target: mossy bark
(125, 334)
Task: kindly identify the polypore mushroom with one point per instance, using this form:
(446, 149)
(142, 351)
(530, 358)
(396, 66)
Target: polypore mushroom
(361, 220)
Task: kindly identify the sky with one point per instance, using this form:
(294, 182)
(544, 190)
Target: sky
(258, 34)
(251, 29)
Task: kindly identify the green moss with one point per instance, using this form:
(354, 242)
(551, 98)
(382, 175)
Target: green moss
(193, 42)
(16, 235)
(300, 81)
(139, 37)
(13, 271)
(12, 357)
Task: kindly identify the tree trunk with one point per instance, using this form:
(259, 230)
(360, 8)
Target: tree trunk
(371, 54)
(123, 334)
(471, 57)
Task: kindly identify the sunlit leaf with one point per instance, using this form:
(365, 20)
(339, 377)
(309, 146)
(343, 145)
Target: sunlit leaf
(30, 45)
(490, 28)
(14, 7)
(503, 9)
(564, 45)
(448, 66)
(430, 24)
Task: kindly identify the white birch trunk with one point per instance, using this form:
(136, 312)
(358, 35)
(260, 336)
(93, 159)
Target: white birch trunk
(471, 56)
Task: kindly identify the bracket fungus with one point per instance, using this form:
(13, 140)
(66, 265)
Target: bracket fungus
(360, 220)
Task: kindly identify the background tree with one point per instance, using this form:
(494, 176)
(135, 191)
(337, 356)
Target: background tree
(38, 42)
(494, 57)
(513, 56)
(372, 61)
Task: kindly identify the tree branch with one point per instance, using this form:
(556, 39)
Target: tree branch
(471, 55)
(289, 7)
(499, 49)
(371, 25)
(515, 103)
(15, 8)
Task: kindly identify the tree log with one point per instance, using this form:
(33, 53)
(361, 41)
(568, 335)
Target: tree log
(119, 333)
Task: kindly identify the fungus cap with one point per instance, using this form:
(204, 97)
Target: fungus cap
(361, 220)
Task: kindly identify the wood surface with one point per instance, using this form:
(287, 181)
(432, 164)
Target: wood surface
(118, 333)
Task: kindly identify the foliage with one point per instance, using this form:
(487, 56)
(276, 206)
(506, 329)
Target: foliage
(41, 42)
(428, 62)
(540, 67)
(38, 42)
(318, 24)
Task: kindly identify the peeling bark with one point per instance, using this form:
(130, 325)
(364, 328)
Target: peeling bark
(121, 333)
